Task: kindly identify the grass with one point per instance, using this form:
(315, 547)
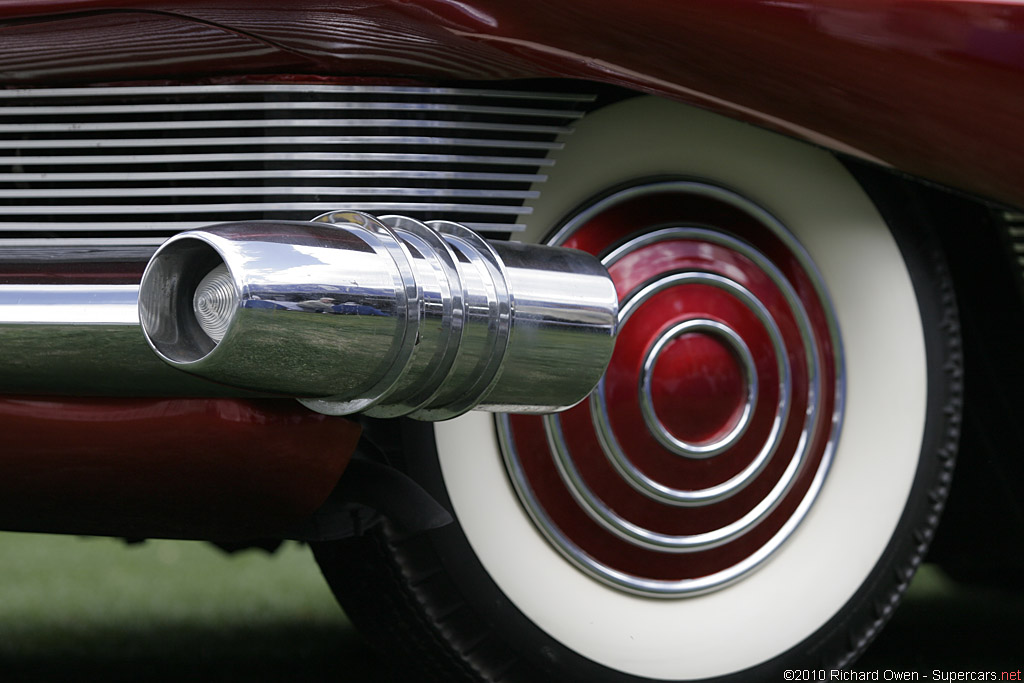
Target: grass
(92, 608)
(81, 609)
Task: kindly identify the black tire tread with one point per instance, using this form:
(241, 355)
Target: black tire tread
(437, 632)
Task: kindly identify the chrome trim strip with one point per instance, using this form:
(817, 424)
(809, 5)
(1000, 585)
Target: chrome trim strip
(72, 242)
(114, 91)
(69, 305)
(152, 226)
(495, 227)
(302, 123)
(136, 176)
(263, 190)
(73, 226)
(84, 340)
(259, 141)
(258, 105)
(132, 209)
(242, 157)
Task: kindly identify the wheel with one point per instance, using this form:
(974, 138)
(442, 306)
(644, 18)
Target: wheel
(754, 481)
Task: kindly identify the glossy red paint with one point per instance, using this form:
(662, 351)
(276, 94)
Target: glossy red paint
(218, 469)
(698, 389)
(62, 272)
(928, 86)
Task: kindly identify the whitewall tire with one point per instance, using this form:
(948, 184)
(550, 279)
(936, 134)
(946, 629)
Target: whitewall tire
(821, 464)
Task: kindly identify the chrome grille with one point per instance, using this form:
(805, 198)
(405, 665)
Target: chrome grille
(118, 165)
(1013, 223)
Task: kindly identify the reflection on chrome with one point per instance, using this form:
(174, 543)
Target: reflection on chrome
(68, 305)
(387, 316)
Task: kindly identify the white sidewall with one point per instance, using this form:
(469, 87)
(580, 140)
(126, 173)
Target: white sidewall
(820, 567)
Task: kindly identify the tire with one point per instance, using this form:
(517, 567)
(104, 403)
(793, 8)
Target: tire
(680, 544)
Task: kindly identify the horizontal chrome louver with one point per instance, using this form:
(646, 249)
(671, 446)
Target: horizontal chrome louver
(1013, 223)
(117, 164)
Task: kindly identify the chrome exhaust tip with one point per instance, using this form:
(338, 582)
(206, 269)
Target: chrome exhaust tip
(387, 316)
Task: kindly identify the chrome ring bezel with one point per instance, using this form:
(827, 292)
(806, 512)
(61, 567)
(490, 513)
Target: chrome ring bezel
(654, 423)
(720, 579)
(712, 494)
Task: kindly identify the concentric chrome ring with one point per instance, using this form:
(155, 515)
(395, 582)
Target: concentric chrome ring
(408, 292)
(707, 440)
(657, 426)
(602, 419)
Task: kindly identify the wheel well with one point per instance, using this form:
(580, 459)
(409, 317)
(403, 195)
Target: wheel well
(983, 525)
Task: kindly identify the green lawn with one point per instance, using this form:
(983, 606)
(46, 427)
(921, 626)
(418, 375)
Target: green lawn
(91, 608)
(95, 608)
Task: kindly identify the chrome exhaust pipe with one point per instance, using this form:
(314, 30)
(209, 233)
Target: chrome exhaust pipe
(387, 316)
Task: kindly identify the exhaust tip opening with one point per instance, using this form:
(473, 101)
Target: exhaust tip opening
(187, 300)
(215, 301)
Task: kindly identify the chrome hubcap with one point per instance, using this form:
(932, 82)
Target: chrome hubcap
(707, 440)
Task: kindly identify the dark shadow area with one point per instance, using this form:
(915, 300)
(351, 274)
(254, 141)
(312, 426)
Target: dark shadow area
(968, 629)
(264, 651)
(94, 609)
(952, 627)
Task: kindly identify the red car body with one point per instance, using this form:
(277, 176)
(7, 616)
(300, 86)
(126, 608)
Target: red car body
(930, 89)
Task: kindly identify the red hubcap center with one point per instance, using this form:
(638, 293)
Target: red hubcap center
(698, 388)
